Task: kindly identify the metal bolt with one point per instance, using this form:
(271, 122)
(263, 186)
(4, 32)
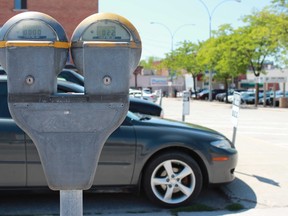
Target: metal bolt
(29, 80)
(107, 80)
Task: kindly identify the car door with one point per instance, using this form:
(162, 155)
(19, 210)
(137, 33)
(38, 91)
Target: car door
(117, 158)
(35, 173)
(115, 166)
(12, 154)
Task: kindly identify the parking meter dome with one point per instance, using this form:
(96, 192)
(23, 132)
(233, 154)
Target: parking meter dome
(104, 28)
(37, 27)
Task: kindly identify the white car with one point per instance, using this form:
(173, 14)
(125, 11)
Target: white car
(143, 94)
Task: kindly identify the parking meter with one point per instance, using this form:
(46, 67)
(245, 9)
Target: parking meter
(69, 131)
(33, 49)
(106, 48)
(186, 104)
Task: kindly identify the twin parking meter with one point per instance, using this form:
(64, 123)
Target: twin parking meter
(69, 130)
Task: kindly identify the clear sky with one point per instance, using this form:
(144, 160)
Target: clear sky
(186, 19)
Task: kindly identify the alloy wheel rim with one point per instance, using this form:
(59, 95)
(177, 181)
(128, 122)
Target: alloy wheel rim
(173, 181)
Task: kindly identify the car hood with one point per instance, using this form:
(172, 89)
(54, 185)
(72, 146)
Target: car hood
(176, 124)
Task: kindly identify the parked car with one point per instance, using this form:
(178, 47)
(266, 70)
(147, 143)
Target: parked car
(249, 98)
(144, 94)
(141, 106)
(170, 161)
(279, 94)
(71, 76)
(245, 96)
(2, 71)
(222, 96)
(204, 95)
(267, 98)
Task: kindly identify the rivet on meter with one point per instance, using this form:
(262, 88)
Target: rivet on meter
(29, 80)
(107, 80)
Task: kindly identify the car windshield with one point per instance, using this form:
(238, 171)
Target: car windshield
(134, 116)
(138, 116)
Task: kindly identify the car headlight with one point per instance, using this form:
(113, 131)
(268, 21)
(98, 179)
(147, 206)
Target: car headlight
(223, 144)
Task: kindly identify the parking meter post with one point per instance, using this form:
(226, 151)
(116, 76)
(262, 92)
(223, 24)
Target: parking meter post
(71, 202)
(234, 135)
(235, 113)
(210, 86)
(160, 97)
(264, 94)
(185, 104)
(274, 93)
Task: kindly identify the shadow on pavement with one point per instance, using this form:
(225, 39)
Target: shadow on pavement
(240, 192)
(262, 179)
(47, 203)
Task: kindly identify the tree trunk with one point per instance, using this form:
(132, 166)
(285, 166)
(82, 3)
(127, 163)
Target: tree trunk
(136, 84)
(226, 89)
(256, 94)
(194, 85)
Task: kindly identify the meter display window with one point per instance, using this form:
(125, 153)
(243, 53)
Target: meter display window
(106, 30)
(31, 30)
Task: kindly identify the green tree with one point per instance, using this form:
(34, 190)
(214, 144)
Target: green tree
(149, 64)
(280, 4)
(279, 21)
(257, 41)
(219, 54)
(184, 59)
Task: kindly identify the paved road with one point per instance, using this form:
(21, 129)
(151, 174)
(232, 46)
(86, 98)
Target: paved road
(261, 184)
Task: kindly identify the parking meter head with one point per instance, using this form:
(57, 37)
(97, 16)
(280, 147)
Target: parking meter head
(33, 50)
(106, 48)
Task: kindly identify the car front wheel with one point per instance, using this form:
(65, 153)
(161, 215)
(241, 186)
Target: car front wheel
(172, 179)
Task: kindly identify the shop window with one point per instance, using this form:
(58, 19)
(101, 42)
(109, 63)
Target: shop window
(20, 4)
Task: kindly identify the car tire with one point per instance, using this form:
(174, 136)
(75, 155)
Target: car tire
(172, 179)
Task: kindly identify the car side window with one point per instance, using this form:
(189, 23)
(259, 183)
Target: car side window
(4, 111)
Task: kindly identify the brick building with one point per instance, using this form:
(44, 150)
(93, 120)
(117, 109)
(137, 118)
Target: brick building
(67, 12)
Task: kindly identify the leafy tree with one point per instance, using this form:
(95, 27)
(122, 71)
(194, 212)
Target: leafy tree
(280, 4)
(184, 58)
(219, 54)
(280, 25)
(149, 64)
(258, 41)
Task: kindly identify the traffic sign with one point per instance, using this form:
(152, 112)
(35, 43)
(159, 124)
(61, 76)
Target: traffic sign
(236, 108)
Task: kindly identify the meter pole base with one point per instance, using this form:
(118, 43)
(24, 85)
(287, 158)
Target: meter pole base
(71, 203)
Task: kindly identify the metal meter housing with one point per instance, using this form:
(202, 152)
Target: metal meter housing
(33, 40)
(107, 48)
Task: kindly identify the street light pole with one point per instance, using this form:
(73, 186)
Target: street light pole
(210, 15)
(172, 34)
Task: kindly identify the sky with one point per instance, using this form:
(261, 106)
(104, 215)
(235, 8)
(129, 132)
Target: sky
(178, 19)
